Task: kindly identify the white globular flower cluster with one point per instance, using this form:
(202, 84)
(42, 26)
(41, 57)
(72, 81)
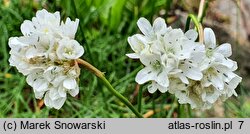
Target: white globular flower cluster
(196, 73)
(46, 54)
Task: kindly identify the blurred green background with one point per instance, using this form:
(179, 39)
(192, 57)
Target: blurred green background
(103, 31)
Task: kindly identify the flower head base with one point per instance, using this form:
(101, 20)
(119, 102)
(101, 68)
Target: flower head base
(46, 54)
(197, 73)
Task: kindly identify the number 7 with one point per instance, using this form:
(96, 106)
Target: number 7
(241, 123)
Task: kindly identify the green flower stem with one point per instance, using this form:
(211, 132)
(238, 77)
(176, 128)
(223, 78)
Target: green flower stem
(190, 111)
(181, 109)
(139, 99)
(153, 103)
(100, 75)
(173, 107)
(197, 25)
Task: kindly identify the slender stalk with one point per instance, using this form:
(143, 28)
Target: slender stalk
(190, 111)
(153, 103)
(202, 10)
(91, 68)
(171, 111)
(120, 97)
(181, 110)
(100, 75)
(139, 99)
(163, 112)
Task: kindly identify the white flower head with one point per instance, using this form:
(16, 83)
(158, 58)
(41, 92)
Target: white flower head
(69, 28)
(151, 32)
(197, 74)
(165, 53)
(46, 54)
(69, 49)
(43, 23)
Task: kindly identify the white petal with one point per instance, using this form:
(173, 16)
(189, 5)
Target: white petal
(27, 28)
(175, 71)
(57, 80)
(209, 38)
(47, 100)
(234, 82)
(148, 59)
(151, 88)
(144, 75)
(53, 94)
(228, 63)
(173, 36)
(58, 103)
(28, 41)
(15, 44)
(155, 86)
(162, 89)
(53, 19)
(69, 83)
(169, 62)
(39, 95)
(217, 82)
(31, 52)
(157, 47)
(227, 74)
(136, 45)
(145, 27)
(211, 97)
(205, 82)
(70, 28)
(217, 56)
(191, 34)
(183, 78)
(30, 79)
(159, 25)
(80, 50)
(133, 55)
(62, 93)
(40, 14)
(193, 73)
(40, 85)
(224, 49)
(74, 92)
(198, 57)
(57, 18)
(162, 79)
(235, 66)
